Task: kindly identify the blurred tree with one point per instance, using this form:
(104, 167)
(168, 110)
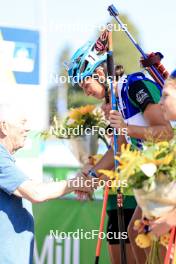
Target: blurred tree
(124, 51)
(58, 92)
(52, 97)
(78, 98)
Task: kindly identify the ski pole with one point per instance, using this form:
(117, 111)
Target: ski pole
(152, 69)
(103, 215)
(101, 44)
(103, 212)
(100, 47)
(120, 212)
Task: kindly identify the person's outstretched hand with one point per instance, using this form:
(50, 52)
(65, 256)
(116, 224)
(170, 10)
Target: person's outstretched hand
(87, 184)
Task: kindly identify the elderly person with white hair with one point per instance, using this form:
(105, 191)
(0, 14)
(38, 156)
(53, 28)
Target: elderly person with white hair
(17, 191)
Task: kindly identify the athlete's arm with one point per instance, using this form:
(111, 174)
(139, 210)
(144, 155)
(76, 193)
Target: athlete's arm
(146, 100)
(158, 128)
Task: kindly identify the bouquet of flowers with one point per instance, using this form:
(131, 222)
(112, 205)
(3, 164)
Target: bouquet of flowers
(151, 174)
(145, 239)
(83, 126)
(79, 121)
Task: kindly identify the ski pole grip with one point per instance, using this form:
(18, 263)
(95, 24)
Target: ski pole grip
(110, 65)
(110, 59)
(113, 11)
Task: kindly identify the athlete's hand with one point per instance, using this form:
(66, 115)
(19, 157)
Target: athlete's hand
(83, 195)
(106, 108)
(116, 120)
(86, 169)
(82, 183)
(163, 224)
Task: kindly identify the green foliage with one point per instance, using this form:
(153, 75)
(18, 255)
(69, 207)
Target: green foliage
(78, 98)
(124, 51)
(52, 103)
(54, 90)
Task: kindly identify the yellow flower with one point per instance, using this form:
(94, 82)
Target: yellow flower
(129, 161)
(75, 114)
(143, 241)
(137, 224)
(110, 174)
(166, 160)
(164, 239)
(96, 158)
(163, 144)
(125, 148)
(86, 109)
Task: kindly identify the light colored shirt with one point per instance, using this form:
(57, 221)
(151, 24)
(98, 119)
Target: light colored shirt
(16, 219)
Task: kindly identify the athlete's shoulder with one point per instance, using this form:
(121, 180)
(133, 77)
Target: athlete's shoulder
(142, 91)
(134, 77)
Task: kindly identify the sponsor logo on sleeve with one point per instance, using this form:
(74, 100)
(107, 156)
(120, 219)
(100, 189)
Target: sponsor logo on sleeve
(141, 96)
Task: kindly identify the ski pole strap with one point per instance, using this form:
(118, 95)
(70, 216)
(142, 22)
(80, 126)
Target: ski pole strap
(106, 93)
(155, 60)
(110, 65)
(119, 199)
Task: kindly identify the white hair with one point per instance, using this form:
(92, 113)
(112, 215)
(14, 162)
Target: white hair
(10, 112)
